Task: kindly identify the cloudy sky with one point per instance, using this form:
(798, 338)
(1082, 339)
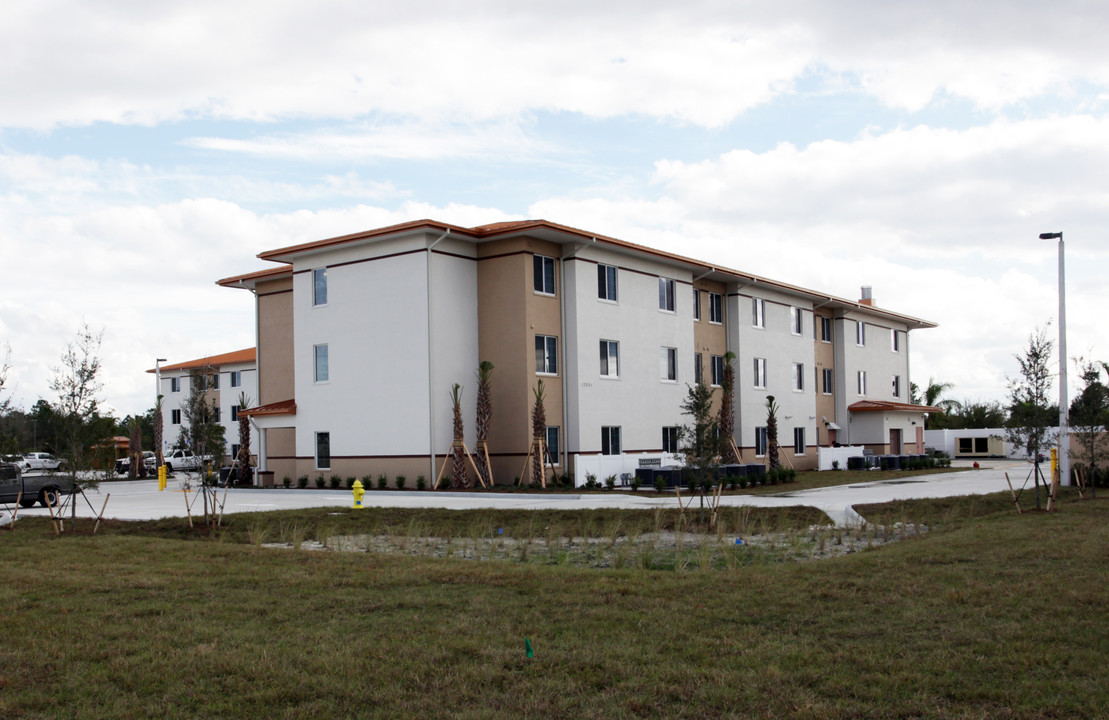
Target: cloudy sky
(149, 149)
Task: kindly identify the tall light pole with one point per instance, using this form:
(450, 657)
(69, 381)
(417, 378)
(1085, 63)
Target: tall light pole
(1064, 431)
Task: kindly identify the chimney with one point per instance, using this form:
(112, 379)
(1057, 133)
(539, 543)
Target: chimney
(867, 298)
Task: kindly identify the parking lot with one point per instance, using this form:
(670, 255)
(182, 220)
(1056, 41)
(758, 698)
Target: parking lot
(141, 499)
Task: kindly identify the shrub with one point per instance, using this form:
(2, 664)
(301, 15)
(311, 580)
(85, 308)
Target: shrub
(335, 481)
(835, 464)
(591, 481)
(302, 481)
(287, 481)
(635, 483)
(350, 483)
(382, 482)
(367, 482)
(421, 482)
(320, 481)
(660, 484)
(610, 482)
(400, 480)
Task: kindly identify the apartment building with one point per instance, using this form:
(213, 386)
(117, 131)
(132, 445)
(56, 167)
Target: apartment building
(361, 337)
(230, 376)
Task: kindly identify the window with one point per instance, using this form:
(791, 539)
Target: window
(610, 441)
(610, 358)
(319, 287)
(760, 441)
(758, 312)
(236, 378)
(323, 451)
(717, 362)
(862, 382)
(216, 412)
(544, 274)
(606, 282)
(546, 354)
(760, 372)
(696, 304)
(234, 450)
(860, 333)
(668, 363)
(552, 443)
(214, 382)
(716, 308)
(798, 441)
(827, 373)
(670, 437)
(826, 329)
(175, 384)
(796, 320)
(175, 417)
(698, 369)
(234, 413)
(798, 377)
(897, 386)
(321, 365)
(666, 294)
(895, 341)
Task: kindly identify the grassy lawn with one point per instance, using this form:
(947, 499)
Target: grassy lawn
(989, 614)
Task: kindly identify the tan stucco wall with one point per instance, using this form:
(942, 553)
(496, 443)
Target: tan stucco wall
(824, 357)
(275, 341)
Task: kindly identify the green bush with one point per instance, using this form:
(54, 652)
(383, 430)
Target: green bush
(287, 481)
(320, 482)
(336, 482)
(610, 482)
(660, 485)
(421, 483)
(400, 480)
(350, 483)
(382, 482)
(635, 483)
(302, 481)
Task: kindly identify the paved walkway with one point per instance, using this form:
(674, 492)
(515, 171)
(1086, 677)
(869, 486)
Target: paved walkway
(141, 500)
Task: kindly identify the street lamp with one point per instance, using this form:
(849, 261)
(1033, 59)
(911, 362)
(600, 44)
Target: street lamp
(1064, 442)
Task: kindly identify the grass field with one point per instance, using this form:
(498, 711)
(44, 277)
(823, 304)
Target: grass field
(989, 614)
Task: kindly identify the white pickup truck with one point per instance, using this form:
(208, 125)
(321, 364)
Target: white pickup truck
(185, 460)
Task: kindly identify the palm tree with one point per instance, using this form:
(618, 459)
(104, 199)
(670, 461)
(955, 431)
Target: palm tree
(484, 415)
(538, 430)
(243, 459)
(726, 418)
(932, 394)
(137, 468)
(772, 433)
(458, 466)
(159, 459)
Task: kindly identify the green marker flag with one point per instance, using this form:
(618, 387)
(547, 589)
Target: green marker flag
(527, 648)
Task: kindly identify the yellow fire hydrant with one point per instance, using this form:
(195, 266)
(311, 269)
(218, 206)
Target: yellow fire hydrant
(359, 491)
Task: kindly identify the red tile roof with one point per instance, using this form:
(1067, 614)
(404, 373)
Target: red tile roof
(285, 407)
(886, 405)
(248, 355)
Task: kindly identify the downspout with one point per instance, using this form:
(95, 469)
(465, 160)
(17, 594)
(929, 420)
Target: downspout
(564, 451)
(431, 364)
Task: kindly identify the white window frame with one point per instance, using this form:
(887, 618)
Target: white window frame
(758, 313)
(546, 354)
(609, 434)
(860, 379)
(175, 384)
(666, 299)
(326, 437)
(608, 287)
(540, 263)
(716, 367)
(553, 430)
(860, 333)
(896, 386)
(828, 380)
(760, 373)
(762, 441)
(825, 329)
(319, 287)
(175, 416)
(895, 342)
(320, 353)
(668, 364)
(671, 437)
(235, 414)
(716, 308)
(796, 321)
(236, 378)
(798, 377)
(610, 359)
(798, 441)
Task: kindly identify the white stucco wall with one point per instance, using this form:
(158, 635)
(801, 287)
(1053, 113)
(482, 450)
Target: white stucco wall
(881, 365)
(639, 401)
(228, 396)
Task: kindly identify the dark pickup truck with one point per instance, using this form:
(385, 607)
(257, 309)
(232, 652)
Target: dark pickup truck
(45, 488)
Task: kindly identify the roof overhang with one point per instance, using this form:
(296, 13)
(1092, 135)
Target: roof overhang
(237, 357)
(284, 407)
(888, 406)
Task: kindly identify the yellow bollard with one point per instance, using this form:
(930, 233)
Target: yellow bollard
(161, 477)
(359, 491)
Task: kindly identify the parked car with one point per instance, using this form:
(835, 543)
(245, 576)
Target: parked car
(123, 464)
(42, 461)
(185, 460)
(43, 489)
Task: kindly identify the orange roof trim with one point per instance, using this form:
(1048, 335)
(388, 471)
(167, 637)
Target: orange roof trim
(285, 407)
(248, 355)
